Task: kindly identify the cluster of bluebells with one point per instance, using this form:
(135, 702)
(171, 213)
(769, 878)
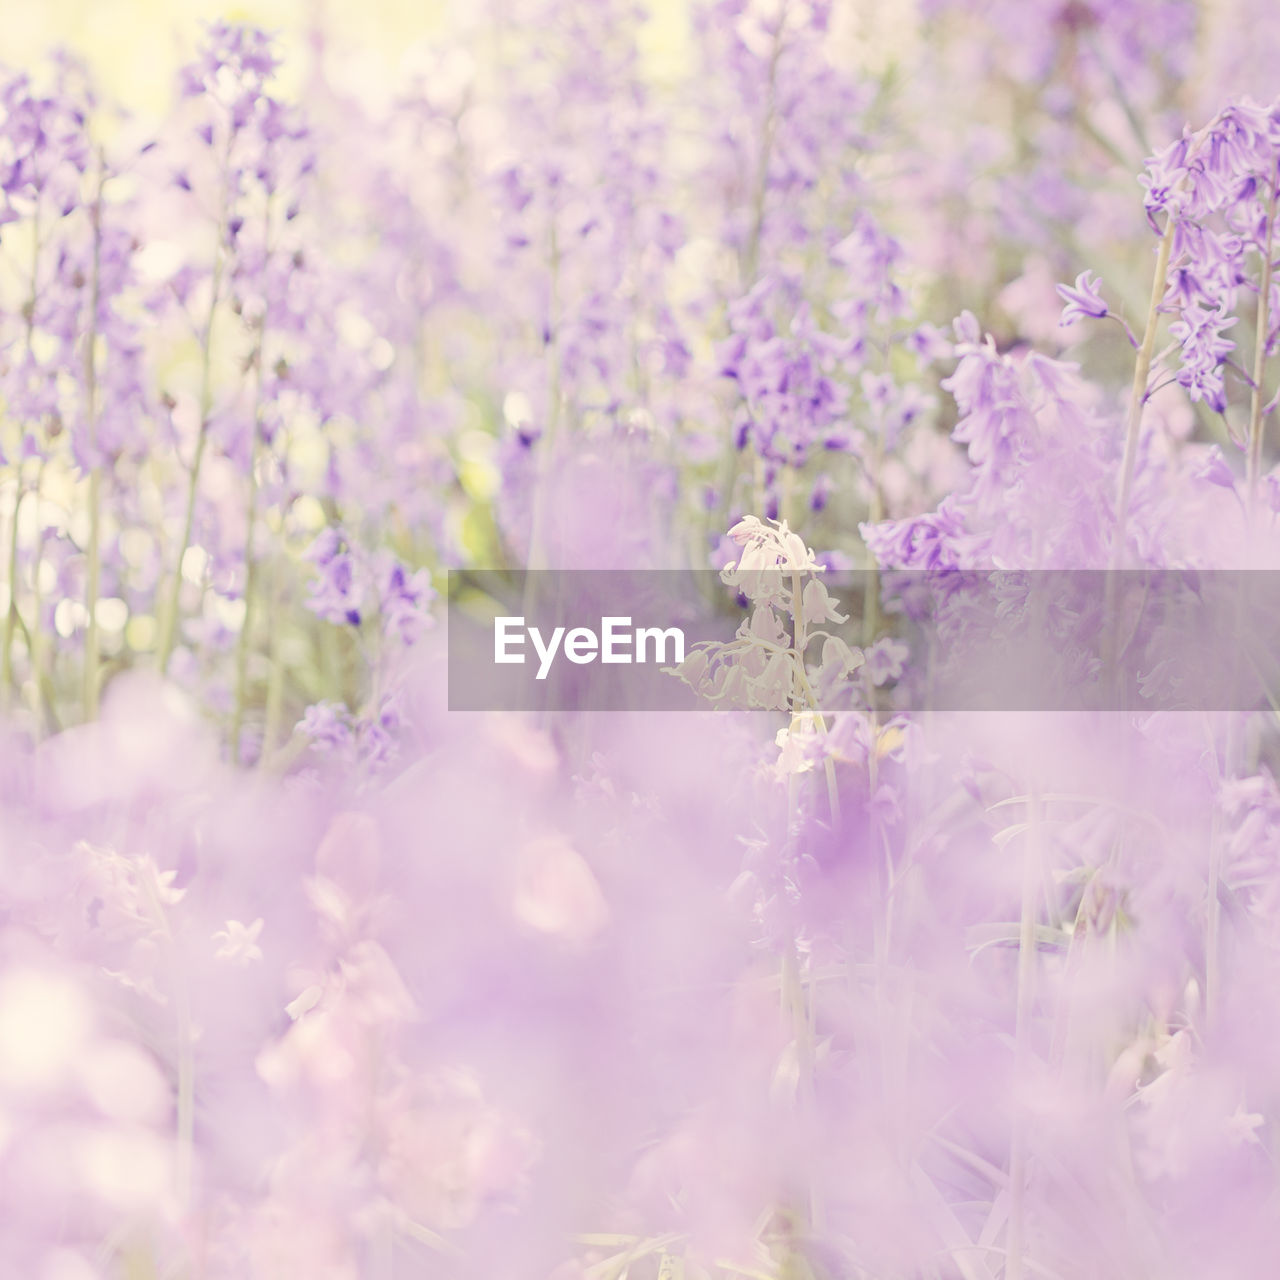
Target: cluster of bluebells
(785, 117)
(1033, 434)
(1214, 191)
(301, 973)
(806, 391)
(352, 585)
(791, 403)
(386, 605)
(47, 154)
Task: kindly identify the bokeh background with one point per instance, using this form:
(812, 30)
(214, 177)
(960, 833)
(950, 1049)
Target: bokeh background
(301, 973)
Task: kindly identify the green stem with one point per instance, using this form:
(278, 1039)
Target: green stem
(875, 513)
(799, 1005)
(799, 644)
(798, 1009)
(1254, 462)
(244, 640)
(828, 768)
(250, 584)
(93, 569)
(546, 446)
(1138, 392)
(169, 611)
(1231, 748)
(11, 618)
(36, 641)
(35, 638)
(275, 680)
(786, 493)
(1112, 652)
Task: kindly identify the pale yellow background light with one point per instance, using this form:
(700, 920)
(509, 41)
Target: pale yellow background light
(134, 47)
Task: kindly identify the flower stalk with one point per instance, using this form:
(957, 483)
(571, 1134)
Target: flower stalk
(1254, 461)
(12, 617)
(169, 612)
(93, 554)
(245, 639)
(1138, 391)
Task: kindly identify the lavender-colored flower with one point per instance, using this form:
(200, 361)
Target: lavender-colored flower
(1084, 299)
(319, 1004)
(338, 593)
(327, 725)
(1199, 331)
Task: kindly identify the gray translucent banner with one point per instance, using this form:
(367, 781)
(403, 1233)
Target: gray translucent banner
(943, 640)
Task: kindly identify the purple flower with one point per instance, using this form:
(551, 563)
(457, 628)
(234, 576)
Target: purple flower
(328, 725)
(1214, 469)
(1199, 332)
(337, 594)
(404, 599)
(1084, 299)
(886, 660)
